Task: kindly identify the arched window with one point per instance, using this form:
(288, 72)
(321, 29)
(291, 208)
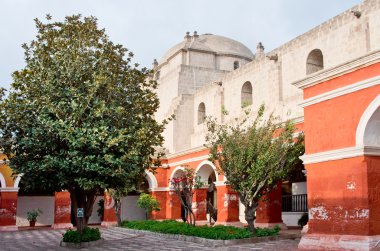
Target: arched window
(201, 113)
(236, 65)
(314, 61)
(246, 94)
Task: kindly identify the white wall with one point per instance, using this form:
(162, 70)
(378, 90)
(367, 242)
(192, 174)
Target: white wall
(130, 210)
(299, 188)
(291, 218)
(95, 219)
(27, 203)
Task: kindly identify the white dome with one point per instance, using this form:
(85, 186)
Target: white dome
(211, 43)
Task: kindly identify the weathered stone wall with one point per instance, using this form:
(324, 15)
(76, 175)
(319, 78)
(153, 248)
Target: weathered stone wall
(340, 39)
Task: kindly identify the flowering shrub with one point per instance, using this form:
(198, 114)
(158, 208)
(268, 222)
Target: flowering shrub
(184, 186)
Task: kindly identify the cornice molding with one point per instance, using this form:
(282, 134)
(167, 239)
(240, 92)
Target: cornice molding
(332, 72)
(341, 91)
(344, 153)
(184, 152)
(9, 189)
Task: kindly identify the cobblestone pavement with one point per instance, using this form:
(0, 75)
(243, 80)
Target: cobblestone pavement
(114, 239)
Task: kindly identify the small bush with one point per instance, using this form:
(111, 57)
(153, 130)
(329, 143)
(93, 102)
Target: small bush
(71, 236)
(89, 234)
(217, 232)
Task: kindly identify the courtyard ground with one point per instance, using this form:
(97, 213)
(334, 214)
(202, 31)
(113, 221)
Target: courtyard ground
(117, 239)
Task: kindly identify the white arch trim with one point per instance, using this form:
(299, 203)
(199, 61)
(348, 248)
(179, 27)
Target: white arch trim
(207, 162)
(152, 181)
(17, 181)
(360, 131)
(2, 180)
(178, 168)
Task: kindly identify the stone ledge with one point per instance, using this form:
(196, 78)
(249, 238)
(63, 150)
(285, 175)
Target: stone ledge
(81, 244)
(208, 242)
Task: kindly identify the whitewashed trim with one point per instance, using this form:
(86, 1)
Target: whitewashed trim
(178, 168)
(185, 152)
(339, 154)
(360, 131)
(17, 180)
(9, 189)
(151, 179)
(207, 162)
(2, 180)
(341, 91)
(160, 189)
(182, 162)
(220, 183)
(320, 76)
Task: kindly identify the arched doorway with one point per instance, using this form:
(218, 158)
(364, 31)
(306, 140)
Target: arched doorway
(175, 209)
(208, 175)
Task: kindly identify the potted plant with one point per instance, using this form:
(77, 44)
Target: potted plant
(32, 215)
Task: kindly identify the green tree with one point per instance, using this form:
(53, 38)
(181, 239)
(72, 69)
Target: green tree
(148, 203)
(254, 156)
(80, 115)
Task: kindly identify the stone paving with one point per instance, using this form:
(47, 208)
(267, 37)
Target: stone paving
(115, 239)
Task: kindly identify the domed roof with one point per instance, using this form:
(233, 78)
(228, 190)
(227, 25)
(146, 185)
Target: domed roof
(210, 43)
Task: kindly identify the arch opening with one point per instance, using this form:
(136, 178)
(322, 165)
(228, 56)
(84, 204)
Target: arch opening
(201, 113)
(246, 94)
(372, 130)
(236, 65)
(368, 130)
(314, 61)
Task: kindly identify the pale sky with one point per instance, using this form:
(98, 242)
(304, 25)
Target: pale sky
(150, 27)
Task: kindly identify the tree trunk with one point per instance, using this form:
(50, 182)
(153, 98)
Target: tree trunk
(117, 209)
(81, 198)
(250, 217)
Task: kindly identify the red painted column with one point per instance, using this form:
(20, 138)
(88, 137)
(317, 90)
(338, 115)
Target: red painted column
(269, 212)
(199, 203)
(109, 218)
(228, 206)
(8, 208)
(160, 196)
(173, 206)
(62, 210)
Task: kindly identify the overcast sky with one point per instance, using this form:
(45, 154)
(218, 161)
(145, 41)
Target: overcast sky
(150, 27)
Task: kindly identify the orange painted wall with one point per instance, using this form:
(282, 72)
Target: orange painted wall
(332, 124)
(338, 197)
(344, 80)
(373, 176)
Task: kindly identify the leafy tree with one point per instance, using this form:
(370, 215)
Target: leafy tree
(184, 186)
(80, 115)
(254, 157)
(148, 203)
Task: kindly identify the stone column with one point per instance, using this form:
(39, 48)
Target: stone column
(62, 210)
(109, 218)
(227, 205)
(200, 204)
(8, 208)
(269, 212)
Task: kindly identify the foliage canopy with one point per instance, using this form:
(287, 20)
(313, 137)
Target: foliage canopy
(80, 115)
(254, 156)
